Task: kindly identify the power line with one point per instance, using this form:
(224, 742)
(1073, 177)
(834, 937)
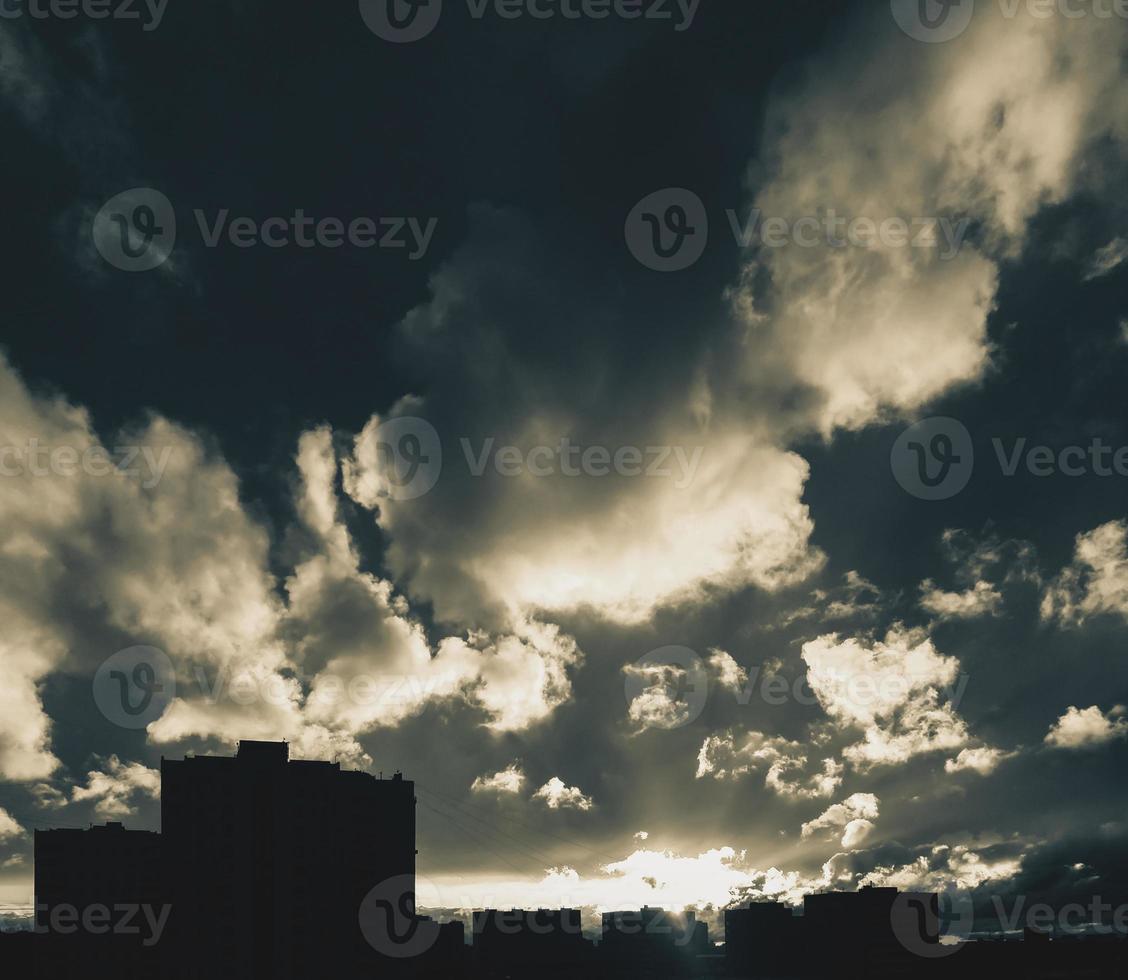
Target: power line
(477, 836)
(525, 847)
(537, 830)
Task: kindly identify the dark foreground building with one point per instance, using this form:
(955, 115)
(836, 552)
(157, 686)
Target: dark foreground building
(260, 871)
(269, 859)
(762, 938)
(530, 943)
(100, 896)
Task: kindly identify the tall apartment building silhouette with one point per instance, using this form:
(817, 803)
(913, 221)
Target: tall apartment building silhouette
(268, 859)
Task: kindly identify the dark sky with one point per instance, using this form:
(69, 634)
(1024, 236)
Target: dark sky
(950, 642)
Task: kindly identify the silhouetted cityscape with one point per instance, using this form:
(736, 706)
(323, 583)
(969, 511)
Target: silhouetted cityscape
(268, 867)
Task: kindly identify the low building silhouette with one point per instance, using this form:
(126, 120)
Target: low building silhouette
(652, 941)
(100, 900)
(519, 943)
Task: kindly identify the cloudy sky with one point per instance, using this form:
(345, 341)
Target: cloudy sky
(629, 428)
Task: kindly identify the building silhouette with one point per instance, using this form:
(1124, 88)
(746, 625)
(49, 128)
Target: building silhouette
(91, 887)
(762, 937)
(652, 941)
(102, 866)
(530, 943)
(268, 860)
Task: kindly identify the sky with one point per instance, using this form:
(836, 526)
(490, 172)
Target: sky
(690, 446)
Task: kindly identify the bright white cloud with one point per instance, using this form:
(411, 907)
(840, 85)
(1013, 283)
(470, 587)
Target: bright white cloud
(1107, 259)
(116, 789)
(983, 760)
(730, 755)
(1080, 729)
(368, 661)
(728, 672)
(711, 879)
(982, 599)
(639, 543)
(854, 816)
(658, 705)
(989, 129)
(1096, 581)
(943, 868)
(557, 796)
(9, 829)
(892, 691)
(508, 780)
(171, 555)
